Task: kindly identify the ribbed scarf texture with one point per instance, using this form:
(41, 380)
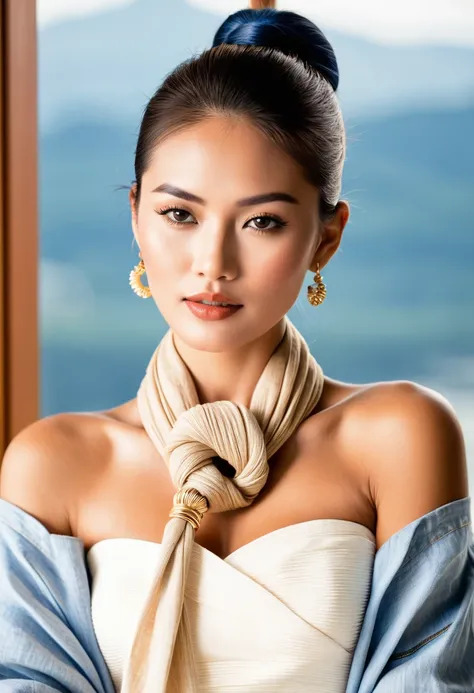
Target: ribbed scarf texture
(188, 435)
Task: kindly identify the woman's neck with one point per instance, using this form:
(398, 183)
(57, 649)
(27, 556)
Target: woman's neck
(230, 375)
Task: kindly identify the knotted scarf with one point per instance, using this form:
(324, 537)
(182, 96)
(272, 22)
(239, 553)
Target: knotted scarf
(188, 435)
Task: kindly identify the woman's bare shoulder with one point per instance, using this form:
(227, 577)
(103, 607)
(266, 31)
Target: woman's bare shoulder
(45, 464)
(409, 440)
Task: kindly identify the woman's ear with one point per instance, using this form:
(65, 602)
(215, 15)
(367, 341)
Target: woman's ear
(132, 197)
(331, 234)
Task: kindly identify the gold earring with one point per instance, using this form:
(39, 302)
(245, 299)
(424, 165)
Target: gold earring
(135, 281)
(317, 292)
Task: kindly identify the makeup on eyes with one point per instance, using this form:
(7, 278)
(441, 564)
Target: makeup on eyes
(279, 222)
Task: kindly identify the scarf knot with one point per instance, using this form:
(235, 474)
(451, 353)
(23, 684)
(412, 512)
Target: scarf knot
(218, 429)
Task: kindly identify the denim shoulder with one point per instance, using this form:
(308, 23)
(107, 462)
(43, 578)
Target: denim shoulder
(418, 629)
(45, 603)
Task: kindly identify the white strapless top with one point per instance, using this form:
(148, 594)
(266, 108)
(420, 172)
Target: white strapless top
(282, 613)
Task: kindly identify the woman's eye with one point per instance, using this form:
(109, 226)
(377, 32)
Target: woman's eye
(262, 223)
(178, 215)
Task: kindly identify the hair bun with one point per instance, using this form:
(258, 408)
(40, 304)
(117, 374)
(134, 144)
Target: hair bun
(286, 31)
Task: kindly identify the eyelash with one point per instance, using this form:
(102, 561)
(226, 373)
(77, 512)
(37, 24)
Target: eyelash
(279, 221)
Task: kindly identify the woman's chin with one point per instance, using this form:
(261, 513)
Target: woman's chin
(214, 336)
(210, 339)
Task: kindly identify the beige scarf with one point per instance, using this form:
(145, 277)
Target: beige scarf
(188, 435)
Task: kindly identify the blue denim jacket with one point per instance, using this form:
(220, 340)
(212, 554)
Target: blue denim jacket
(417, 635)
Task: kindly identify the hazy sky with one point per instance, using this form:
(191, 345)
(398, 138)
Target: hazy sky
(387, 21)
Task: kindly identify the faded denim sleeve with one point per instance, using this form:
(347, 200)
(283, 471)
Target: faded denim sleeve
(418, 631)
(47, 642)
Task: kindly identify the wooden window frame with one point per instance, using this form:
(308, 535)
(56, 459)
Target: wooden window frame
(19, 347)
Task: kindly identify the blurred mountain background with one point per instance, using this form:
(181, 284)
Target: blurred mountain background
(400, 289)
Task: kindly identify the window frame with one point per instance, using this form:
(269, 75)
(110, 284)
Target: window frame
(19, 347)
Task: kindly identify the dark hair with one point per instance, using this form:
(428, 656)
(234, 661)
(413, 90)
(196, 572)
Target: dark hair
(275, 68)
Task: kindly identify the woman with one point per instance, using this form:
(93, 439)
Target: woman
(246, 522)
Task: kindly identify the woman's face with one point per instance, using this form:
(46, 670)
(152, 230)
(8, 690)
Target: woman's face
(254, 252)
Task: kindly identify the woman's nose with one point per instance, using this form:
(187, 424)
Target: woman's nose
(215, 254)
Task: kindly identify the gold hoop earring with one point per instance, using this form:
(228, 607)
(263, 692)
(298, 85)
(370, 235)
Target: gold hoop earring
(317, 292)
(136, 283)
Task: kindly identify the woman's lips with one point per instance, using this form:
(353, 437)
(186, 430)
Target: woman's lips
(205, 312)
(212, 298)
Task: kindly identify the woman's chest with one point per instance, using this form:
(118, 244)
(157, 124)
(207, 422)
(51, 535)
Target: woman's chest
(310, 478)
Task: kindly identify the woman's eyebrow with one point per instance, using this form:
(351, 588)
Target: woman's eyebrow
(245, 202)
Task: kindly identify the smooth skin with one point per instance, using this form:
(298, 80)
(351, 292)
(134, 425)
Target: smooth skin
(379, 454)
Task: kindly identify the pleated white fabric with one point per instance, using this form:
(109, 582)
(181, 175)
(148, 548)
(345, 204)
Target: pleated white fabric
(280, 614)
